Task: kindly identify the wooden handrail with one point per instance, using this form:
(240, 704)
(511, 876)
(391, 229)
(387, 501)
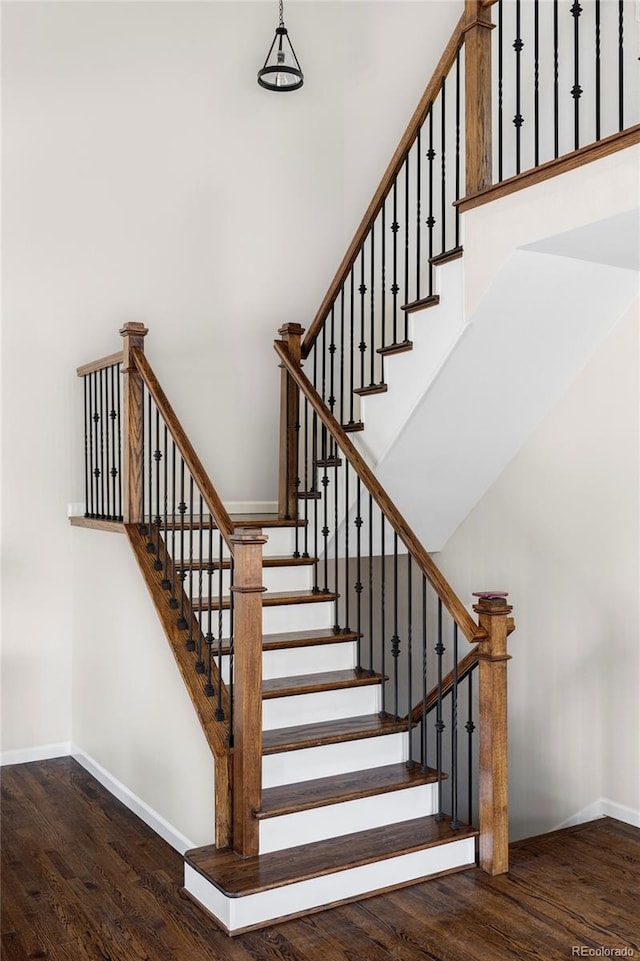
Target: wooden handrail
(191, 459)
(433, 87)
(445, 592)
(465, 666)
(100, 364)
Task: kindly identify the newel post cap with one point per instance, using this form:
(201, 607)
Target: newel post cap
(134, 329)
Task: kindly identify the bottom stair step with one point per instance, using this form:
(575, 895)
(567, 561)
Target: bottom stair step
(244, 893)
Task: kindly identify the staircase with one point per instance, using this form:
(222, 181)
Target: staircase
(342, 814)
(356, 747)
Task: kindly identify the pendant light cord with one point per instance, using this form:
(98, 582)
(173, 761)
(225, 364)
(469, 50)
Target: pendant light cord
(281, 13)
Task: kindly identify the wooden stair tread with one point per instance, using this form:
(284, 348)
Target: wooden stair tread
(269, 599)
(239, 877)
(448, 255)
(353, 426)
(292, 639)
(322, 681)
(306, 795)
(398, 348)
(432, 301)
(301, 736)
(275, 561)
(371, 389)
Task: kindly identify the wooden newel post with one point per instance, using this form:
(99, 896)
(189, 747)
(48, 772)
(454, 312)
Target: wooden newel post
(289, 411)
(133, 335)
(247, 688)
(477, 53)
(494, 617)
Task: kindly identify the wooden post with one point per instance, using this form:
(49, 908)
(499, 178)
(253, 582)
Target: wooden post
(494, 617)
(477, 54)
(223, 789)
(289, 410)
(132, 434)
(247, 688)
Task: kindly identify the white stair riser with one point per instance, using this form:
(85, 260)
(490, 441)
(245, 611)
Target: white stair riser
(320, 706)
(297, 578)
(304, 660)
(238, 913)
(348, 817)
(304, 765)
(314, 659)
(281, 618)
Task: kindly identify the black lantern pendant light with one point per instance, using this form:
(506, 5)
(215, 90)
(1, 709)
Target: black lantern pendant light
(281, 69)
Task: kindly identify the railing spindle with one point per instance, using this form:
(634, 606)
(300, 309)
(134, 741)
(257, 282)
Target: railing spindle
(576, 90)
(518, 119)
(455, 824)
(620, 64)
(536, 81)
(440, 650)
(598, 68)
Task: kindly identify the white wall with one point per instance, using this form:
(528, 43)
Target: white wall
(147, 177)
(559, 530)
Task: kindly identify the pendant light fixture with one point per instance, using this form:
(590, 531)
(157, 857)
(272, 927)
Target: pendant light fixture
(281, 69)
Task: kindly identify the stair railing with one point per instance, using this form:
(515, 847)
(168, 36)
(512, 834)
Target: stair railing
(545, 87)
(204, 573)
(408, 621)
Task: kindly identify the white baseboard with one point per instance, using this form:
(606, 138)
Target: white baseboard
(155, 821)
(44, 752)
(602, 808)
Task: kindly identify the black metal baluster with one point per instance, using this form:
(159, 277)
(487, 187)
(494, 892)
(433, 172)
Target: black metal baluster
(620, 65)
(166, 583)
(296, 482)
(231, 657)
(95, 416)
(576, 90)
(536, 82)
(406, 244)
(410, 761)
(309, 487)
(439, 649)
(323, 367)
(458, 120)
(199, 659)
(418, 210)
(191, 644)
(383, 285)
(443, 194)
(150, 545)
(470, 728)
(358, 585)
(157, 455)
(395, 640)
(383, 631)
(598, 68)
(205, 613)
(352, 346)
(423, 733)
(114, 444)
(341, 405)
(314, 459)
(363, 344)
(103, 511)
(173, 602)
(219, 712)
(208, 637)
(518, 120)
(143, 526)
(372, 310)
(395, 226)
(431, 219)
(455, 824)
(106, 409)
(182, 507)
(325, 509)
(332, 351)
(556, 100)
(347, 578)
(119, 447)
(500, 93)
(87, 464)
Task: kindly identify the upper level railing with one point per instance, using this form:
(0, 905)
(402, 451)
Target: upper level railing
(521, 84)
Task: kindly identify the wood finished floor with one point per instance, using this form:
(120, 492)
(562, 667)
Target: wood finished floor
(83, 878)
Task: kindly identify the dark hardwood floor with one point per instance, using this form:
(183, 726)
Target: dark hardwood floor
(83, 878)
